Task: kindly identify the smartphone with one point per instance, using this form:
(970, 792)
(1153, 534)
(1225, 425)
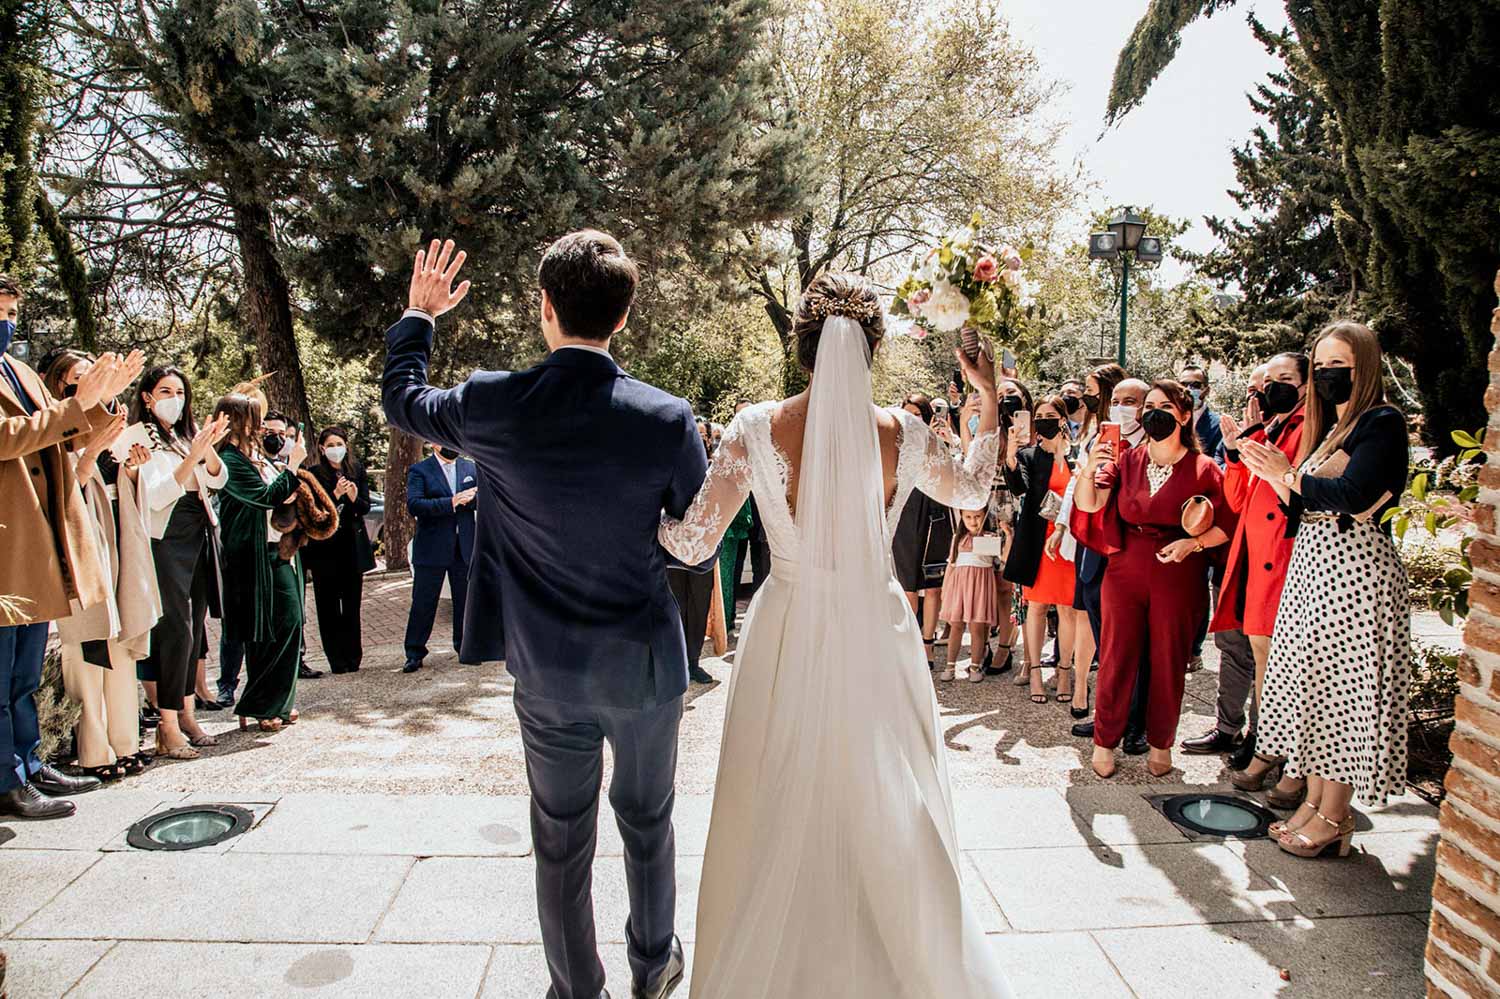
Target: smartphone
(1109, 433)
(958, 379)
(1022, 422)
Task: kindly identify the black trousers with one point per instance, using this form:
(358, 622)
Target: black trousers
(565, 767)
(1089, 596)
(337, 594)
(184, 576)
(695, 596)
(426, 589)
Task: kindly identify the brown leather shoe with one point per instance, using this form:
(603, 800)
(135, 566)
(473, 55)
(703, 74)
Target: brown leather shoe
(26, 802)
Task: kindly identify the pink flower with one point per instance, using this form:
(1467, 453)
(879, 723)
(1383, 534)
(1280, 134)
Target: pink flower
(986, 269)
(917, 300)
(1011, 256)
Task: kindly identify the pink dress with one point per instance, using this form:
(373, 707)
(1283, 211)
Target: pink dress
(969, 588)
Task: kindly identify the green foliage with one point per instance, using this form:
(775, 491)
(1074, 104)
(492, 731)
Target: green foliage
(1440, 497)
(23, 23)
(1411, 89)
(1434, 683)
(715, 362)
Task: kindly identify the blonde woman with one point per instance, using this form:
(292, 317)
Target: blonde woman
(1335, 698)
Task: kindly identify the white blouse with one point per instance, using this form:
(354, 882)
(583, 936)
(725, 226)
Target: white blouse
(162, 490)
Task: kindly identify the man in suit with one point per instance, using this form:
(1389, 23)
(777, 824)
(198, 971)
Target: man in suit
(440, 493)
(50, 556)
(571, 584)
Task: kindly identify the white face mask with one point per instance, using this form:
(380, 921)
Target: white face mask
(336, 454)
(168, 410)
(1127, 417)
(287, 447)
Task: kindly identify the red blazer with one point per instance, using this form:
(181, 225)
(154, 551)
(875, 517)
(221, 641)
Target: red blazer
(1259, 550)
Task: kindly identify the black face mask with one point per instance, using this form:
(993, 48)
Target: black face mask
(1334, 385)
(1091, 403)
(1012, 404)
(1159, 424)
(1047, 427)
(1278, 398)
(1072, 404)
(448, 453)
(70, 391)
(271, 445)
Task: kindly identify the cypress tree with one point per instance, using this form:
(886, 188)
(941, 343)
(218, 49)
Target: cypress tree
(22, 84)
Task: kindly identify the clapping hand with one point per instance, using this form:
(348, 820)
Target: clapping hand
(344, 488)
(209, 436)
(1263, 460)
(108, 377)
(1232, 430)
(1252, 411)
(465, 498)
(432, 277)
(102, 440)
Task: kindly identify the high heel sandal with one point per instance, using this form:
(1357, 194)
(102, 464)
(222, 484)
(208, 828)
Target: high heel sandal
(1063, 697)
(1278, 829)
(106, 774)
(1037, 696)
(182, 752)
(1023, 675)
(1246, 781)
(1282, 800)
(1299, 844)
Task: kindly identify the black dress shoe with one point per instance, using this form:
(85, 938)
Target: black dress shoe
(700, 675)
(667, 979)
(304, 672)
(1240, 758)
(1084, 730)
(26, 802)
(52, 781)
(1211, 743)
(412, 665)
(1136, 745)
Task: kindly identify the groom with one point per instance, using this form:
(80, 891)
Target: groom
(576, 461)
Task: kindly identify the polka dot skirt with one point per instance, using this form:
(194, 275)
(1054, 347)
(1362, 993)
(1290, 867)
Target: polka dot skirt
(1335, 700)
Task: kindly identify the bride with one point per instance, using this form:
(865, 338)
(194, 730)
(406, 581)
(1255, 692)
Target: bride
(832, 864)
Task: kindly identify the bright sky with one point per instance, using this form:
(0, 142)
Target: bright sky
(1172, 152)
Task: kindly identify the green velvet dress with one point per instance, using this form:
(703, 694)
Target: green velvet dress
(739, 530)
(262, 592)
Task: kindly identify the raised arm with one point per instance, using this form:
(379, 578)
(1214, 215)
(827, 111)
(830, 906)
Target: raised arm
(692, 533)
(410, 403)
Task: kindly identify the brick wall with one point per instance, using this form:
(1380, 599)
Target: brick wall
(1463, 946)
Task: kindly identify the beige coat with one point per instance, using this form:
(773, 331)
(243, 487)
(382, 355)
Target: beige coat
(46, 533)
(132, 608)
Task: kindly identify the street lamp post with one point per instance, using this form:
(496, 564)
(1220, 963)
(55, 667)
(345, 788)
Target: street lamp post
(1126, 238)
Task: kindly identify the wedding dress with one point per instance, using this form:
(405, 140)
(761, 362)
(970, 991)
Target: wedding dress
(832, 862)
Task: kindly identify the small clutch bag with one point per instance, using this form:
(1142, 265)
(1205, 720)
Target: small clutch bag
(1051, 506)
(1197, 516)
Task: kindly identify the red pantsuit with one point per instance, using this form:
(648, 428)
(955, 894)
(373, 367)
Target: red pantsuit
(1259, 550)
(1151, 608)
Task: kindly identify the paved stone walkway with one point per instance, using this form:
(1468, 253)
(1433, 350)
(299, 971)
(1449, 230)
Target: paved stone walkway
(390, 857)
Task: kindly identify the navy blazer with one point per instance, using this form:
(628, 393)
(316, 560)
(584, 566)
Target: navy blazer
(442, 531)
(576, 461)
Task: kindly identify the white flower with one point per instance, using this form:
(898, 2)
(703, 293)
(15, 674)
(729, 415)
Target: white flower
(929, 271)
(947, 309)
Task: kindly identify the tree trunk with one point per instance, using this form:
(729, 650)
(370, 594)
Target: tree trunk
(267, 307)
(403, 452)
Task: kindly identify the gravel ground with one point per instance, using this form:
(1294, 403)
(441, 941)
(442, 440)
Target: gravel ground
(451, 729)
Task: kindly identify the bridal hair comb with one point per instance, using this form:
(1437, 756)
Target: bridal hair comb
(847, 307)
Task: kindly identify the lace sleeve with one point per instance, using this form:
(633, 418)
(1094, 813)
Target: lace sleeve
(966, 484)
(694, 538)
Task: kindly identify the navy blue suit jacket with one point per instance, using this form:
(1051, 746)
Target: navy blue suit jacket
(441, 530)
(576, 462)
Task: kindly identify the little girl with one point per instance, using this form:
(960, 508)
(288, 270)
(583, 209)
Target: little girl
(970, 599)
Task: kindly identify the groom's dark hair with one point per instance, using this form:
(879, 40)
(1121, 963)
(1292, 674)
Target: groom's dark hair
(590, 282)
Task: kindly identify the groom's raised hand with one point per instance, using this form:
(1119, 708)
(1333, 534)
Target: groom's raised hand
(432, 277)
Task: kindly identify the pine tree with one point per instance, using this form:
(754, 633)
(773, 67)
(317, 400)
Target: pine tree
(1411, 86)
(22, 82)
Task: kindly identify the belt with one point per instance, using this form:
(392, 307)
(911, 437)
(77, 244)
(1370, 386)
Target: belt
(791, 571)
(1153, 531)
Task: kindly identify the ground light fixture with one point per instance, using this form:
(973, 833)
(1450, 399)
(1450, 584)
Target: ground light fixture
(1207, 814)
(189, 827)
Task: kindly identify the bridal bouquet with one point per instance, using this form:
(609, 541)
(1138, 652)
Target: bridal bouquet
(961, 284)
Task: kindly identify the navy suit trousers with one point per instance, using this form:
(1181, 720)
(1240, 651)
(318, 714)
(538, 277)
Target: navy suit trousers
(565, 767)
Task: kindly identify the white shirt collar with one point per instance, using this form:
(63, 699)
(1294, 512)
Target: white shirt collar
(584, 346)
